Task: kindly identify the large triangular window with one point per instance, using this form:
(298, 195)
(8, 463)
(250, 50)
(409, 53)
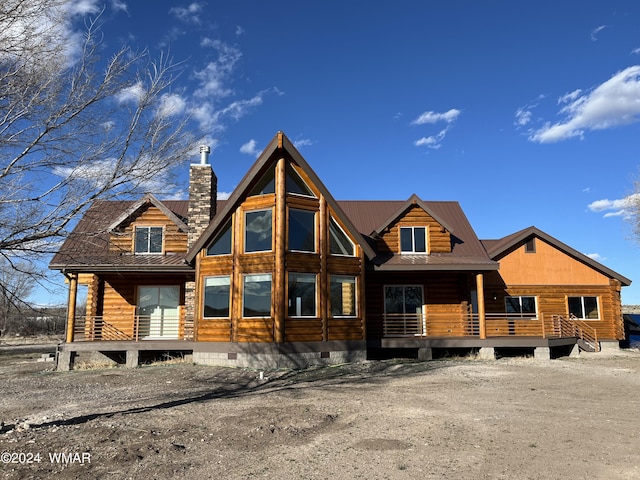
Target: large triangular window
(295, 184)
(267, 183)
(340, 243)
(221, 245)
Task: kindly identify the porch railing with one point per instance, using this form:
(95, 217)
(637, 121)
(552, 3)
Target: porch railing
(139, 327)
(467, 324)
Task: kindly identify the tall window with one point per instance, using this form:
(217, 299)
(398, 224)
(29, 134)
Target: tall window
(413, 239)
(406, 299)
(342, 292)
(302, 230)
(221, 245)
(525, 306)
(339, 243)
(302, 295)
(257, 235)
(217, 292)
(585, 308)
(257, 295)
(148, 240)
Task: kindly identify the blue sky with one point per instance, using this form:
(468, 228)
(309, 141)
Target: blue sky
(525, 113)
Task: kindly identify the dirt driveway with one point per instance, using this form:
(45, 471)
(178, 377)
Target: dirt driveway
(446, 419)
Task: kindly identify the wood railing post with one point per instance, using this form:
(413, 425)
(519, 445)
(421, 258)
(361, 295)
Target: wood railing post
(71, 306)
(482, 323)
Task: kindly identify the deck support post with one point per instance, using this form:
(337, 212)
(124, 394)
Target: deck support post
(71, 306)
(542, 353)
(482, 324)
(425, 353)
(133, 359)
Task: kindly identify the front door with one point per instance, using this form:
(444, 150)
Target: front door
(158, 312)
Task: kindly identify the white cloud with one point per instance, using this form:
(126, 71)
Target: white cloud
(636, 51)
(213, 78)
(613, 103)
(523, 116)
(434, 117)
(223, 195)
(133, 93)
(239, 30)
(430, 117)
(249, 148)
(189, 14)
(119, 5)
(595, 32)
(596, 256)
(303, 142)
(569, 97)
(171, 104)
(616, 208)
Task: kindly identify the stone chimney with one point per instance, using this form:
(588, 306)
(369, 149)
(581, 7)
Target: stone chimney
(203, 189)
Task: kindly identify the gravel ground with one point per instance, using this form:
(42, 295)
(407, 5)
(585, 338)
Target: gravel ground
(511, 418)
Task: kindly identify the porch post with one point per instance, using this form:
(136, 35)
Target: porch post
(482, 325)
(280, 246)
(71, 306)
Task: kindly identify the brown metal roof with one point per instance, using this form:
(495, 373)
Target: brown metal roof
(87, 247)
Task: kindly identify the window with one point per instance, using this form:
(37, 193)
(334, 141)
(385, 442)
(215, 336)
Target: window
(302, 230)
(257, 236)
(267, 183)
(405, 299)
(339, 243)
(148, 240)
(302, 295)
(158, 311)
(257, 295)
(585, 308)
(342, 296)
(524, 306)
(413, 239)
(295, 184)
(221, 245)
(530, 246)
(217, 292)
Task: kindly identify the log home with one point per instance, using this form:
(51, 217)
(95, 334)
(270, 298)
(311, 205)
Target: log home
(283, 275)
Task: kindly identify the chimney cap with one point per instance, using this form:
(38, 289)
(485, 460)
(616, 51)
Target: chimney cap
(205, 150)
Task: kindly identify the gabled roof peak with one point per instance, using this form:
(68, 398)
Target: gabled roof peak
(412, 200)
(148, 199)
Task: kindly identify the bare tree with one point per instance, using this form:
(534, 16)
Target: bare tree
(15, 286)
(76, 126)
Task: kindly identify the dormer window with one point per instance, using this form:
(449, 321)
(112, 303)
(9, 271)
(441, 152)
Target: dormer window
(413, 239)
(148, 240)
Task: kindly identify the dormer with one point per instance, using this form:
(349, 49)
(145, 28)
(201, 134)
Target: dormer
(148, 227)
(414, 229)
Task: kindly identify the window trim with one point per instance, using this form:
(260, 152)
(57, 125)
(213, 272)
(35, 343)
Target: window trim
(204, 297)
(244, 228)
(148, 227)
(582, 297)
(244, 289)
(530, 245)
(315, 294)
(355, 295)
(340, 229)
(522, 314)
(315, 230)
(404, 304)
(290, 168)
(413, 239)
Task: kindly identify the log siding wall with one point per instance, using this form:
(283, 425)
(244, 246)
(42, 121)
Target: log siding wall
(438, 238)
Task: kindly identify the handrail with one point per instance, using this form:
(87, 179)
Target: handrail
(575, 327)
(135, 328)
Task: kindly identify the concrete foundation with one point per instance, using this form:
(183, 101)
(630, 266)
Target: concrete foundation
(575, 351)
(273, 361)
(487, 353)
(425, 354)
(542, 353)
(133, 359)
(611, 347)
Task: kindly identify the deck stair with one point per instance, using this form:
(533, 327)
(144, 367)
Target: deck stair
(586, 335)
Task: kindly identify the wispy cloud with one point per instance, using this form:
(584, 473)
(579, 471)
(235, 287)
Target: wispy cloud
(430, 118)
(132, 93)
(189, 14)
(302, 142)
(250, 148)
(213, 78)
(622, 207)
(171, 104)
(524, 114)
(596, 31)
(614, 103)
(119, 5)
(596, 256)
(636, 51)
